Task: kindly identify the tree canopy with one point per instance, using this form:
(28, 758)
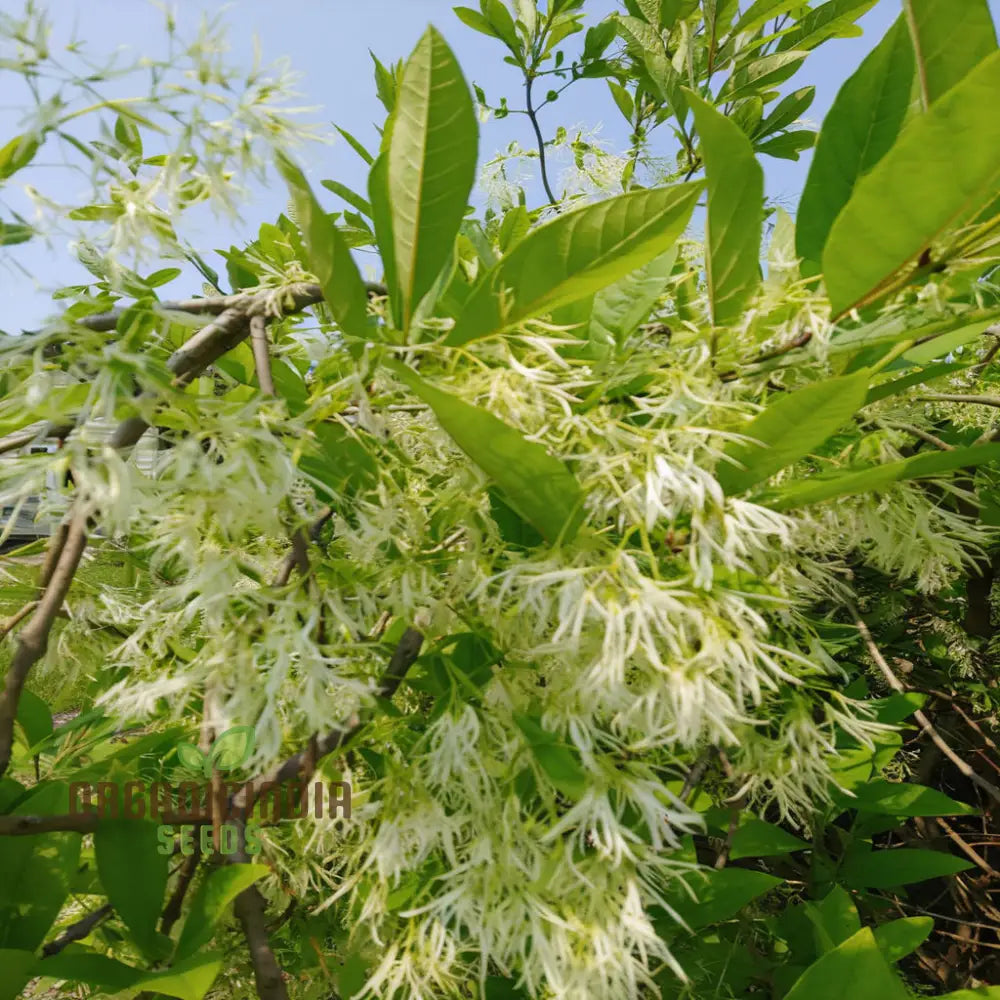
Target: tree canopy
(594, 601)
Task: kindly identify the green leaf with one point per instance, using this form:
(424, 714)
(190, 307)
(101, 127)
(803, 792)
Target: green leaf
(899, 866)
(134, 875)
(790, 428)
(787, 146)
(378, 194)
(623, 99)
(942, 346)
(826, 21)
(735, 211)
(212, 900)
(12, 233)
(187, 980)
(619, 309)
(893, 798)
(943, 171)
(756, 838)
(90, 968)
(759, 13)
(16, 968)
(534, 483)
(19, 152)
(352, 198)
(34, 717)
(834, 919)
(329, 255)
(720, 895)
(846, 482)
(983, 993)
(950, 39)
(36, 870)
(859, 129)
(557, 759)
(356, 145)
(575, 255)
(478, 22)
(432, 166)
(787, 111)
(856, 969)
(340, 462)
(900, 938)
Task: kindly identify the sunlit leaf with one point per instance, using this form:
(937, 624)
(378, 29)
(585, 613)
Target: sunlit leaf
(858, 131)
(535, 484)
(432, 165)
(576, 255)
(944, 169)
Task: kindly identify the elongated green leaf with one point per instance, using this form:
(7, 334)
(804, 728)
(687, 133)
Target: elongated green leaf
(790, 428)
(432, 165)
(576, 255)
(620, 308)
(329, 255)
(89, 968)
(982, 993)
(759, 13)
(942, 346)
(36, 871)
(900, 866)
(187, 980)
(212, 900)
(16, 968)
(786, 112)
(556, 758)
(944, 169)
(950, 39)
(762, 74)
(834, 919)
(735, 211)
(719, 895)
(378, 194)
(856, 969)
(921, 377)
(134, 875)
(850, 481)
(12, 233)
(756, 838)
(893, 798)
(829, 19)
(356, 145)
(858, 131)
(17, 153)
(537, 486)
(900, 938)
(351, 197)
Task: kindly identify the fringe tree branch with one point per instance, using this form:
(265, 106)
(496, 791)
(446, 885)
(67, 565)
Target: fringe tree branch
(261, 354)
(77, 931)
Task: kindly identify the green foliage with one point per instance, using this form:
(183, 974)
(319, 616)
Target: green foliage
(638, 585)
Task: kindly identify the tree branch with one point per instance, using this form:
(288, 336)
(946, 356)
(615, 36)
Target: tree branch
(77, 931)
(33, 639)
(533, 116)
(925, 723)
(261, 354)
(961, 397)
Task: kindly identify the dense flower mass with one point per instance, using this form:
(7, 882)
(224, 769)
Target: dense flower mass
(560, 543)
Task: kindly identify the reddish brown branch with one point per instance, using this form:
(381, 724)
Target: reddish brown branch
(261, 354)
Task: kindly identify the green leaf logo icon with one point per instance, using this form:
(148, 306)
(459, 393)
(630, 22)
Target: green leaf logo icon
(232, 749)
(192, 757)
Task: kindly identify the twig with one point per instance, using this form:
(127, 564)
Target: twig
(298, 555)
(33, 639)
(974, 856)
(270, 980)
(925, 723)
(529, 80)
(77, 931)
(405, 654)
(923, 435)
(305, 295)
(17, 618)
(959, 397)
(261, 354)
(172, 911)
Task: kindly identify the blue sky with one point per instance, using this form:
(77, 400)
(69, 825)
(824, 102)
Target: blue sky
(327, 42)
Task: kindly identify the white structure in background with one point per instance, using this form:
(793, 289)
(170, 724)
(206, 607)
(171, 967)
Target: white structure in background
(23, 520)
